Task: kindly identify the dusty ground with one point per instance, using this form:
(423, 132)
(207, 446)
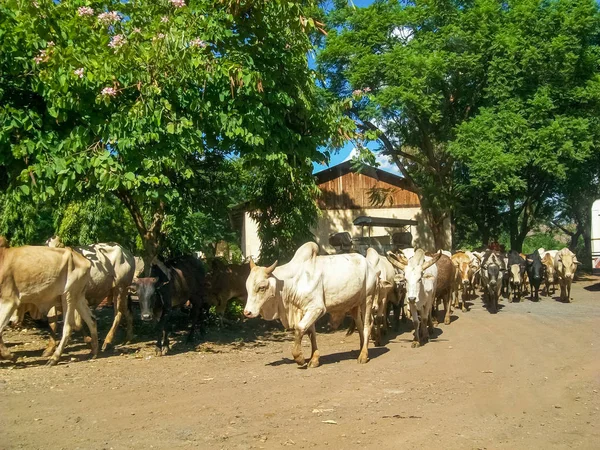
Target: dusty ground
(527, 377)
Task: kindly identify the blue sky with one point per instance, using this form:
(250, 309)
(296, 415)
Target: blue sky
(346, 151)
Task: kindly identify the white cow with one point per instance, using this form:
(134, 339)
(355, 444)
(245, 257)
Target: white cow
(111, 274)
(302, 291)
(565, 264)
(420, 272)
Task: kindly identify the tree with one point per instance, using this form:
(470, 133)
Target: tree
(147, 101)
(413, 72)
(539, 126)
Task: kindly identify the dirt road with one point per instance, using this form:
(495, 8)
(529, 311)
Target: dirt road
(527, 377)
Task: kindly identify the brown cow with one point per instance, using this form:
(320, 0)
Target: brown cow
(445, 284)
(41, 275)
(462, 281)
(225, 282)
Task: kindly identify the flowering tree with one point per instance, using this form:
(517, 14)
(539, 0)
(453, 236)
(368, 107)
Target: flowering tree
(147, 100)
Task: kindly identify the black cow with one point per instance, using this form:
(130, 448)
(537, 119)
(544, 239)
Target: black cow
(169, 285)
(535, 273)
(492, 271)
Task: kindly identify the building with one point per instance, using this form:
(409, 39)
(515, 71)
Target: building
(347, 195)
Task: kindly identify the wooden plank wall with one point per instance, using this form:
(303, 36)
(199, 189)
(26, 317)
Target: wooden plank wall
(351, 191)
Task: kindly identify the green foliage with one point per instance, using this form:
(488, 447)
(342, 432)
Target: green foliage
(96, 219)
(484, 106)
(24, 222)
(148, 102)
(543, 240)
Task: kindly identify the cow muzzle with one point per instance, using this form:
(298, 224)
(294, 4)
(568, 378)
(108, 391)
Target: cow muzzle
(147, 317)
(249, 314)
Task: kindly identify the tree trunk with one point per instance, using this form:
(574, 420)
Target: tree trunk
(151, 236)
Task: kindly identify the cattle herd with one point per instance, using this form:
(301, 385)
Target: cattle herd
(50, 280)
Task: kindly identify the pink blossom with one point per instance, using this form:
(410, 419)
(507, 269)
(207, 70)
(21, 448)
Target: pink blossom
(357, 93)
(50, 44)
(79, 72)
(178, 3)
(85, 11)
(158, 36)
(110, 91)
(164, 19)
(367, 89)
(117, 41)
(137, 30)
(109, 17)
(35, 4)
(198, 43)
(41, 57)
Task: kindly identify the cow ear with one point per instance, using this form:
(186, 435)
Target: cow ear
(385, 284)
(271, 268)
(252, 265)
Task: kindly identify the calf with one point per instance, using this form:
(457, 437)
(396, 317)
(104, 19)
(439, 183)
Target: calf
(550, 273)
(420, 272)
(565, 265)
(225, 282)
(462, 281)
(516, 266)
(535, 273)
(492, 274)
(170, 285)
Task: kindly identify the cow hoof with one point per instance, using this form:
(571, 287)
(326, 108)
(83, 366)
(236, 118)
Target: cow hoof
(164, 351)
(415, 344)
(106, 346)
(313, 363)
(300, 361)
(158, 351)
(48, 352)
(92, 356)
(447, 321)
(52, 362)
(363, 359)
(464, 309)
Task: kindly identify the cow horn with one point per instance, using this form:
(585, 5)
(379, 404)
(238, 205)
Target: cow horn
(433, 260)
(271, 268)
(252, 265)
(396, 261)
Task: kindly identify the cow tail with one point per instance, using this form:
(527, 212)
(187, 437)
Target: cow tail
(351, 327)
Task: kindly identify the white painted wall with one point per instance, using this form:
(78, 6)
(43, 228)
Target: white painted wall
(337, 220)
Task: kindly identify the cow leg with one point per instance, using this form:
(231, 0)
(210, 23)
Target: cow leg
(7, 308)
(568, 291)
(53, 324)
(308, 320)
(68, 320)
(86, 314)
(448, 307)
(314, 359)
(416, 323)
(196, 310)
(162, 345)
(465, 294)
(121, 308)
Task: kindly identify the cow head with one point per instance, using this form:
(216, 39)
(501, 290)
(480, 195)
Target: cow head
(567, 263)
(148, 289)
(414, 270)
(261, 286)
(492, 272)
(54, 242)
(515, 274)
